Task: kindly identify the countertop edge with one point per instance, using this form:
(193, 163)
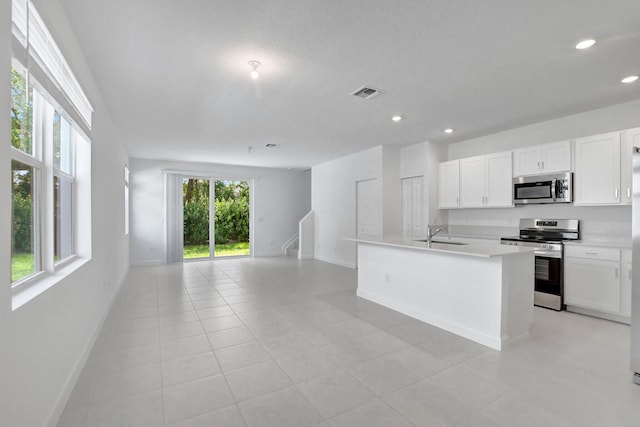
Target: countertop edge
(507, 251)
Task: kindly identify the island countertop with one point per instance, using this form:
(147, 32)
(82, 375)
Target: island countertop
(479, 249)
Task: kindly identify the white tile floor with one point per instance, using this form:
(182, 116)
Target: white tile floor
(278, 342)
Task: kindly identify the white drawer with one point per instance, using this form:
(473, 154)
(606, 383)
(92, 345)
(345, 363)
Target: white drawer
(592, 252)
(626, 255)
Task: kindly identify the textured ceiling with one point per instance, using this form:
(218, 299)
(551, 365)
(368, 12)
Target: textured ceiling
(174, 74)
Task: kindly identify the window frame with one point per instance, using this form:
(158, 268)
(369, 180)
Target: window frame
(54, 91)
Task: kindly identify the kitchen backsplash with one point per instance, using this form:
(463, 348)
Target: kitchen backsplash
(601, 223)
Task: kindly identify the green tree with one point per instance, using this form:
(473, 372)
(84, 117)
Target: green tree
(21, 112)
(196, 211)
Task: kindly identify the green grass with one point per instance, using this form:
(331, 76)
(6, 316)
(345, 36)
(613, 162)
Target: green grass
(22, 265)
(227, 249)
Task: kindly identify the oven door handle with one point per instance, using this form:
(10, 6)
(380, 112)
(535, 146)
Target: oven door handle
(547, 254)
(554, 188)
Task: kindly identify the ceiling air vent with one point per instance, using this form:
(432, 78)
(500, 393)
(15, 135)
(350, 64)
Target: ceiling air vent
(366, 92)
(271, 145)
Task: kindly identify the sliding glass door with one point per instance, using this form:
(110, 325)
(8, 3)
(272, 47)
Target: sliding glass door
(196, 202)
(216, 220)
(231, 218)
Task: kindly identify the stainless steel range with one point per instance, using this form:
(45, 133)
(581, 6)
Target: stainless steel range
(547, 236)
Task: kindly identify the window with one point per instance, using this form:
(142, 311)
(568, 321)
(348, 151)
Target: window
(63, 183)
(50, 118)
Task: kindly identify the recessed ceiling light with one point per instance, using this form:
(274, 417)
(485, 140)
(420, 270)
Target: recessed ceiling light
(585, 44)
(448, 130)
(396, 118)
(629, 79)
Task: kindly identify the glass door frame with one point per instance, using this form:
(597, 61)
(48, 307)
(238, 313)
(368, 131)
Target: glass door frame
(212, 220)
(212, 179)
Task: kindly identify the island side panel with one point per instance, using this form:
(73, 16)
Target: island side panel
(518, 285)
(461, 294)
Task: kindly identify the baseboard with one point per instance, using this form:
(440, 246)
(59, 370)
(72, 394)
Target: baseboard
(75, 374)
(146, 263)
(594, 313)
(269, 254)
(339, 262)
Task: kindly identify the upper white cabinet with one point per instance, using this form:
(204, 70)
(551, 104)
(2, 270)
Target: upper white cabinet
(485, 181)
(597, 177)
(472, 182)
(630, 138)
(449, 185)
(540, 159)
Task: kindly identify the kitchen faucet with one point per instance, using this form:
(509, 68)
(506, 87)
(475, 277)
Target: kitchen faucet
(432, 230)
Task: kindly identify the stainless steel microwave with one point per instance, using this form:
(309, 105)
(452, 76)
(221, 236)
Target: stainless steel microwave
(556, 188)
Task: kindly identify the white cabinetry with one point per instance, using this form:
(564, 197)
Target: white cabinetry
(540, 159)
(485, 181)
(449, 185)
(412, 208)
(625, 283)
(597, 177)
(630, 138)
(472, 182)
(597, 281)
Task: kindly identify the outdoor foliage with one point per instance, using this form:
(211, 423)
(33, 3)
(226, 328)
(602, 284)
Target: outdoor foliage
(231, 211)
(21, 113)
(22, 175)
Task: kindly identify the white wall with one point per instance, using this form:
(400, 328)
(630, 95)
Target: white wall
(391, 192)
(617, 117)
(605, 222)
(333, 200)
(422, 160)
(44, 341)
(280, 199)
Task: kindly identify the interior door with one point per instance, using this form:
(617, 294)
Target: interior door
(368, 208)
(412, 208)
(407, 209)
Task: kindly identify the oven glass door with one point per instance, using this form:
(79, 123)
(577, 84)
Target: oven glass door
(548, 273)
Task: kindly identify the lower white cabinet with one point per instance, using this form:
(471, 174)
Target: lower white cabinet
(597, 280)
(625, 284)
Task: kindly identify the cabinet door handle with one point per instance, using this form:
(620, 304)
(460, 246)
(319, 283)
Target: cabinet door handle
(542, 165)
(591, 253)
(538, 165)
(616, 272)
(616, 194)
(628, 193)
(629, 274)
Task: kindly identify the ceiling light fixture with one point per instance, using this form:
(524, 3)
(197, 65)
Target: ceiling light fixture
(448, 130)
(585, 44)
(254, 69)
(396, 118)
(629, 79)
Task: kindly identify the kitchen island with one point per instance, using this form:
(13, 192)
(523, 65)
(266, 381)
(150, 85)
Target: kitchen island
(480, 291)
